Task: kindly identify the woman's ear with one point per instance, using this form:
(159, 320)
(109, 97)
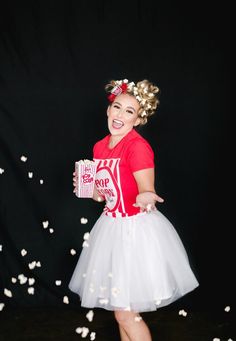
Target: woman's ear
(137, 122)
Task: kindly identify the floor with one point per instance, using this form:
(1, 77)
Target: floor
(44, 324)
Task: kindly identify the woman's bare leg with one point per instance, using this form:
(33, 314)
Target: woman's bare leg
(133, 325)
(123, 334)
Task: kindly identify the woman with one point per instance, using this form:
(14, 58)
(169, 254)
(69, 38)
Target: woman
(135, 261)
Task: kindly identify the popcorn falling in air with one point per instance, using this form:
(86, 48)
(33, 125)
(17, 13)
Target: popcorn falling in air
(85, 244)
(22, 279)
(83, 331)
(23, 158)
(7, 292)
(31, 281)
(31, 290)
(78, 330)
(51, 230)
(92, 336)
(66, 300)
(41, 181)
(45, 224)
(1, 170)
(14, 280)
(227, 309)
(90, 315)
(23, 252)
(216, 339)
(0, 247)
(2, 305)
(86, 236)
(32, 265)
(83, 220)
(30, 175)
(73, 252)
(58, 282)
(183, 312)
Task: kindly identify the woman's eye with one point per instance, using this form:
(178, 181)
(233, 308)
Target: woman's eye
(116, 106)
(130, 112)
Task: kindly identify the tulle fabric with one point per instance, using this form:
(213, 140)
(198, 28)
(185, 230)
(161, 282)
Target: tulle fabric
(135, 263)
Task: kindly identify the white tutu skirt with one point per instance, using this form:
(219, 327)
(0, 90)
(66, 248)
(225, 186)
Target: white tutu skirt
(134, 263)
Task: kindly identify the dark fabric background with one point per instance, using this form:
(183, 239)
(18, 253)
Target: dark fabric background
(55, 58)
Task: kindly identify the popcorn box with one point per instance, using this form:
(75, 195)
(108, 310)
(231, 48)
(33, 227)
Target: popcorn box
(85, 171)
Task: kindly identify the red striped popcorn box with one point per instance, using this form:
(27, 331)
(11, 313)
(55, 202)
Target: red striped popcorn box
(85, 171)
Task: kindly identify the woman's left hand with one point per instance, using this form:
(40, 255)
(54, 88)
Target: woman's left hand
(147, 201)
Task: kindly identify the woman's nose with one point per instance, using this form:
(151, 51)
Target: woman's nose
(120, 113)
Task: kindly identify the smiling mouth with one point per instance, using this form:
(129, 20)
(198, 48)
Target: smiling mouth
(117, 124)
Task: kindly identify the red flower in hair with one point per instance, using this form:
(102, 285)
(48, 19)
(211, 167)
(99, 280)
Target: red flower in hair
(124, 87)
(111, 97)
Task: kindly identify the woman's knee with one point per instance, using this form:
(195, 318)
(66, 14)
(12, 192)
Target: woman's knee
(124, 317)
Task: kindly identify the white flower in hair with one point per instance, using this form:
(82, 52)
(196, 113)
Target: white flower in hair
(143, 114)
(125, 80)
(143, 101)
(150, 95)
(138, 98)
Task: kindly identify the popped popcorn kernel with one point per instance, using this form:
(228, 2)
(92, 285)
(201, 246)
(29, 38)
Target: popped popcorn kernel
(90, 315)
(31, 291)
(45, 224)
(23, 252)
(7, 292)
(66, 300)
(23, 158)
(83, 220)
(30, 175)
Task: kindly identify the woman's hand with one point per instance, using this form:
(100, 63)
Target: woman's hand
(147, 201)
(75, 182)
(96, 196)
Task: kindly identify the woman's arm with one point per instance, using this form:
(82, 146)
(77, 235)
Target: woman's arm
(97, 196)
(147, 197)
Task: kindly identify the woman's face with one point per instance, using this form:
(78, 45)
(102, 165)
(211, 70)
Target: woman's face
(123, 115)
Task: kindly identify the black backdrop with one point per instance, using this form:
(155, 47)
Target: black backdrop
(55, 58)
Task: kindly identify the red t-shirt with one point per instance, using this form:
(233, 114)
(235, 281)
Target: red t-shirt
(115, 167)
